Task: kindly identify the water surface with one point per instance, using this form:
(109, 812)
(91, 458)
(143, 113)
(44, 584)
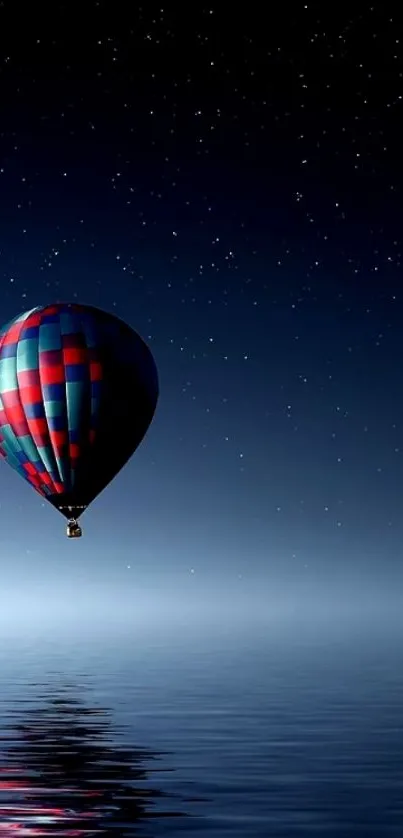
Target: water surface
(248, 733)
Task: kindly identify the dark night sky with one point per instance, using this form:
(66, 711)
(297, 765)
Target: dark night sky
(231, 185)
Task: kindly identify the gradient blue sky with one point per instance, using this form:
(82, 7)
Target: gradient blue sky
(233, 191)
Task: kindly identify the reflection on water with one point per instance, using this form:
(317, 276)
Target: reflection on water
(287, 737)
(61, 774)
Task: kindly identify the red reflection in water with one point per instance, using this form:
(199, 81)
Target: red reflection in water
(63, 776)
(19, 819)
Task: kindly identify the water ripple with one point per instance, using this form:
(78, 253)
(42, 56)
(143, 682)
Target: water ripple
(61, 773)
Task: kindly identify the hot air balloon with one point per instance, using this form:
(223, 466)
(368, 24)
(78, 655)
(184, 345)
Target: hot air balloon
(78, 391)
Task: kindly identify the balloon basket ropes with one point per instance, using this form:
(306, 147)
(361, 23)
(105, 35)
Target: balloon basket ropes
(73, 529)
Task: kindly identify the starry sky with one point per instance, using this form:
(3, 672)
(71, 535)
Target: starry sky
(231, 186)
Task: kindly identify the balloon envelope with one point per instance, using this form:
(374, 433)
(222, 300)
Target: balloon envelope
(78, 390)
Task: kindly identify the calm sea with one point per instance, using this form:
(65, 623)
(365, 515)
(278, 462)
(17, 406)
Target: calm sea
(263, 732)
